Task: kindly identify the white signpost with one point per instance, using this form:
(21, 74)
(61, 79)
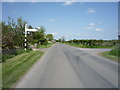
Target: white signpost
(30, 30)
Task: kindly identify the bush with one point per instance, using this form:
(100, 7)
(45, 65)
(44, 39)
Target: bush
(94, 43)
(7, 56)
(20, 51)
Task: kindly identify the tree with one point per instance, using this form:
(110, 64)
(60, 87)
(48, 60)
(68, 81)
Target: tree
(7, 35)
(12, 33)
(49, 37)
(39, 36)
(30, 27)
(20, 29)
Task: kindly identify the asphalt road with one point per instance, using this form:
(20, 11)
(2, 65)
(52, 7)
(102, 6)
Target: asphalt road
(64, 66)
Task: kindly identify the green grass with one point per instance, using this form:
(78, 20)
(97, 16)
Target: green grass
(17, 66)
(0, 76)
(109, 56)
(85, 46)
(8, 56)
(45, 46)
(113, 54)
(115, 51)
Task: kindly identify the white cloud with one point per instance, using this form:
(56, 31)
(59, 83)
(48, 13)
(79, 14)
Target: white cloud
(52, 20)
(95, 24)
(92, 28)
(98, 29)
(54, 33)
(69, 2)
(92, 24)
(33, 1)
(91, 10)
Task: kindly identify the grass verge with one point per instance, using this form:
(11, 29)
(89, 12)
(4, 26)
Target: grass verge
(17, 66)
(107, 55)
(44, 46)
(8, 56)
(0, 76)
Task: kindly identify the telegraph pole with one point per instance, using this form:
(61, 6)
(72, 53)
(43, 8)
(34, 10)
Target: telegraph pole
(26, 37)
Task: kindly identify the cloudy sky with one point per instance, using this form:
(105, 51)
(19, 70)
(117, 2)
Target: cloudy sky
(88, 20)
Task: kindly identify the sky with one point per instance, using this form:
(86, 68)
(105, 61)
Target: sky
(73, 20)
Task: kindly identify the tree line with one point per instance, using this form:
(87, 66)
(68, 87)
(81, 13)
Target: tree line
(95, 43)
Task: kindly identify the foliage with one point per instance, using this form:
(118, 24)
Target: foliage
(49, 37)
(13, 33)
(93, 43)
(8, 56)
(115, 51)
(38, 37)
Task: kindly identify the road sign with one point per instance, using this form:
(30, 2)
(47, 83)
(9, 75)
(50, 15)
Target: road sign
(26, 30)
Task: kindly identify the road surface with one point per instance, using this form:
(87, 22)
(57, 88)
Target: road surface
(64, 66)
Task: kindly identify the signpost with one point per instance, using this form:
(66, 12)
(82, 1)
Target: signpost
(30, 30)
